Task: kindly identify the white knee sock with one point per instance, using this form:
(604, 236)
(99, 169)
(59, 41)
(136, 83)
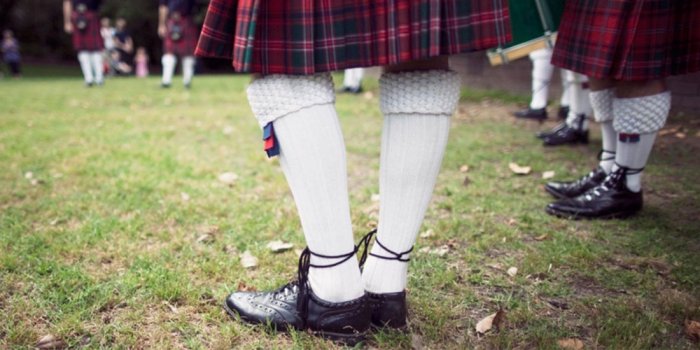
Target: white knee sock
(637, 121)
(169, 62)
(98, 66)
(353, 77)
(542, 70)
(86, 66)
(312, 155)
(602, 104)
(580, 104)
(565, 100)
(188, 63)
(417, 107)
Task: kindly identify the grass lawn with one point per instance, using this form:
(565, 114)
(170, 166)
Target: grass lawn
(115, 231)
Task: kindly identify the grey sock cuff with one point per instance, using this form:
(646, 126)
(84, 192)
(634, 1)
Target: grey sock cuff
(274, 96)
(641, 115)
(434, 92)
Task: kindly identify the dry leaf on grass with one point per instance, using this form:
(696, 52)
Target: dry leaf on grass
(439, 251)
(512, 271)
(692, 330)
(375, 197)
(541, 237)
(243, 287)
(228, 178)
(368, 95)
(464, 168)
(680, 135)
(49, 341)
(520, 170)
(491, 321)
(172, 307)
(548, 175)
(570, 344)
(29, 175)
(227, 130)
(184, 196)
(279, 246)
(248, 260)
(205, 238)
(427, 234)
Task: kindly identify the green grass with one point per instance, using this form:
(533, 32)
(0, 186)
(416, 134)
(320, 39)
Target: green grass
(102, 251)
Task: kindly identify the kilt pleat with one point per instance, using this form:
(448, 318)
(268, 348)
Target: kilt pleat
(88, 39)
(629, 39)
(186, 45)
(311, 36)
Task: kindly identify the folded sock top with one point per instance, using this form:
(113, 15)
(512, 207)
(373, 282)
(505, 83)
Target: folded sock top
(421, 92)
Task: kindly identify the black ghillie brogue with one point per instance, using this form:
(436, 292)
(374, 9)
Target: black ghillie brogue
(295, 306)
(389, 310)
(611, 199)
(539, 114)
(571, 189)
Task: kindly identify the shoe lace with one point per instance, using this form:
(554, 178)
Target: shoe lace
(302, 283)
(364, 245)
(614, 180)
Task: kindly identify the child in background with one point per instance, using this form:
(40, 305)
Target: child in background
(141, 61)
(10, 53)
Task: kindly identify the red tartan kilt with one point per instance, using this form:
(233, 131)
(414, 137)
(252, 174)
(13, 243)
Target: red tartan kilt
(90, 38)
(629, 39)
(311, 36)
(187, 44)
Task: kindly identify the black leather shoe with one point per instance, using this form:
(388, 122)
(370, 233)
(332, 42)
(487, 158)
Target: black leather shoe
(571, 189)
(295, 306)
(389, 310)
(611, 199)
(563, 112)
(567, 135)
(545, 134)
(529, 113)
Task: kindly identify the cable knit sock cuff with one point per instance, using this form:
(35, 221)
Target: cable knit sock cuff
(641, 115)
(602, 103)
(274, 96)
(433, 92)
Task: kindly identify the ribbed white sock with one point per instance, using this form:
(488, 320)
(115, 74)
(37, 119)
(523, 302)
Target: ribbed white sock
(312, 156)
(417, 108)
(542, 71)
(637, 121)
(169, 62)
(565, 100)
(188, 63)
(602, 105)
(353, 77)
(86, 66)
(97, 66)
(580, 103)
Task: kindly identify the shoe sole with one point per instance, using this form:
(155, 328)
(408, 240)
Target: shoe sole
(345, 339)
(571, 216)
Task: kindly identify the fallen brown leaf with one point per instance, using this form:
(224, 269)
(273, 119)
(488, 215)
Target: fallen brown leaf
(243, 287)
(228, 178)
(248, 260)
(548, 175)
(491, 321)
(519, 170)
(692, 330)
(512, 271)
(427, 234)
(279, 246)
(49, 341)
(464, 168)
(570, 344)
(541, 237)
(680, 135)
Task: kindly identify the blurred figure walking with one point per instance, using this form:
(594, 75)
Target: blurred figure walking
(141, 62)
(10, 53)
(81, 20)
(179, 33)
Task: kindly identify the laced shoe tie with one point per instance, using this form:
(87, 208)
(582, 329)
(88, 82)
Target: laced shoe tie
(614, 180)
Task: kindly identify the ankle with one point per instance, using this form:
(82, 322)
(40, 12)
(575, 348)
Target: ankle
(382, 276)
(338, 283)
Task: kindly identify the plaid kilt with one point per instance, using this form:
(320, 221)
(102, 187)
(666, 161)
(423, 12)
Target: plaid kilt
(90, 38)
(629, 39)
(312, 36)
(188, 43)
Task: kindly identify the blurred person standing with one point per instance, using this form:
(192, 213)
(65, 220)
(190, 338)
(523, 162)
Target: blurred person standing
(81, 20)
(107, 32)
(141, 62)
(542, 71)
(124, 45)
(179, 33)
(10, 53)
